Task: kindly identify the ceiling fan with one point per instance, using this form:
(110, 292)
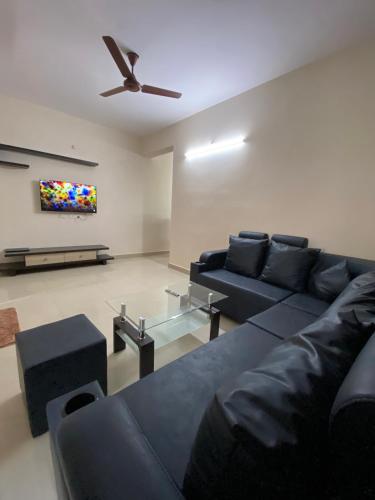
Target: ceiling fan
(130, 82)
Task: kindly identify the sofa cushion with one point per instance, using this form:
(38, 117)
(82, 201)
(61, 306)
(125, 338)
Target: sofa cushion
(356, 266)
(168, 404)
(328, 283)
(246, 296)
(248, 284)
(288, 266)
(245, 256)
(264, 435)
(282, 320)
(306, 302)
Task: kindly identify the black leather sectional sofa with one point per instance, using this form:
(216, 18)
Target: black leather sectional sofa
(282, 406)
(278, 310)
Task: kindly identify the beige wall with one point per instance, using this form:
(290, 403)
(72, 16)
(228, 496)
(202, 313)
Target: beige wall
(307, 168)
(121, 178)
(157, 204)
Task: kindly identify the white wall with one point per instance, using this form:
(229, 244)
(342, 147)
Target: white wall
(120, 178)
(157, 204)
(307, 168)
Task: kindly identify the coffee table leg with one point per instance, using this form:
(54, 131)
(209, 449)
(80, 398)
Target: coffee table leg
(146, 357)
(215, 323)
(118, 343)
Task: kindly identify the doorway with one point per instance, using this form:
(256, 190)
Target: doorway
(157, 204)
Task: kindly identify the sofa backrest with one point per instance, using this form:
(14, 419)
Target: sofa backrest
(352, 429)
(295, 241)
(253, 235)
(356, 265)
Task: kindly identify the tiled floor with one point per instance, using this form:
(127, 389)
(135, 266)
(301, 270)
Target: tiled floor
(42, 297)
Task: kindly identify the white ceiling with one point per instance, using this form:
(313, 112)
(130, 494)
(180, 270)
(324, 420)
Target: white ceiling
(51, 51)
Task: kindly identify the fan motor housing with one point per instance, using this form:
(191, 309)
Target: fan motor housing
(132, 86)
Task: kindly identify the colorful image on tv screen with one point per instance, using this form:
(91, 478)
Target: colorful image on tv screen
(64, 196)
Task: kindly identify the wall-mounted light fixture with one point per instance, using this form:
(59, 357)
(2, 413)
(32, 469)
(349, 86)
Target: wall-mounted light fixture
(215, 147)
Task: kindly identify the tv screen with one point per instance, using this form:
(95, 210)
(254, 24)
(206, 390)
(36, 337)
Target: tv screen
(61, 196)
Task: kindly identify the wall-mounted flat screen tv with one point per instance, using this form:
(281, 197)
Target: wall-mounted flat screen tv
(61, 196)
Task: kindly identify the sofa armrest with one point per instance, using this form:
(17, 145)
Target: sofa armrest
(208, 261)
(214, 258)
(104, 454)
(352, 431)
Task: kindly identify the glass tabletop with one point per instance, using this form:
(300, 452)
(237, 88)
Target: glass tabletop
(168, 311)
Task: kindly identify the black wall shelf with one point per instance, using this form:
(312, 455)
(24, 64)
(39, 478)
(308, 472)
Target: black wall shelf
(4, 163)
(44, 154)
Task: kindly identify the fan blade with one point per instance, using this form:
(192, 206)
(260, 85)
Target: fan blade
(148, 89)
(114, 91)
(118, 57)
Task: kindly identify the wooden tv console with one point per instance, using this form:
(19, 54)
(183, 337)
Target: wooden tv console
(34, 258)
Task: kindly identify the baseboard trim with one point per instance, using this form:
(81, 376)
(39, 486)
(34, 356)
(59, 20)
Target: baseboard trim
(141, 254)
(179, 268)
(8, 266)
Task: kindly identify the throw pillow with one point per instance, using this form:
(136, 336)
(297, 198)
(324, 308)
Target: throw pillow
(327, 284)
(288, 266)
(245, 256)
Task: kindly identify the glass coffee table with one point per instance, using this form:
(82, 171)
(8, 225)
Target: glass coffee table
(153, 318)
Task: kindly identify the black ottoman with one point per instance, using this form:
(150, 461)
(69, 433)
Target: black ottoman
(55, 359)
